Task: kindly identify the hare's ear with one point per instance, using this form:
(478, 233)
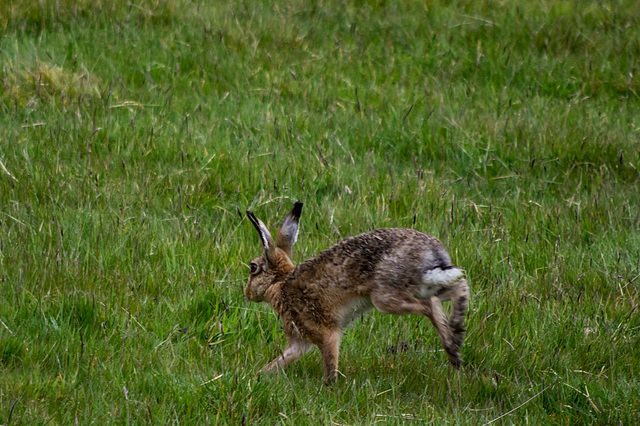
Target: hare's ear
(265, 237)
(288, 230)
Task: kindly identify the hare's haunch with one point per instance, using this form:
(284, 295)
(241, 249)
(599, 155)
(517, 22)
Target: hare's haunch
(396, 271)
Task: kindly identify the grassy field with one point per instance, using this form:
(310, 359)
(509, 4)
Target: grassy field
(134, 135)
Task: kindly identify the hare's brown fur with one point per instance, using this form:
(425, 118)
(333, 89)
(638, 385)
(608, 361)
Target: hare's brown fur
(396, 271)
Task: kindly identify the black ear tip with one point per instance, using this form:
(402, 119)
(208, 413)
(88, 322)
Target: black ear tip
(252, 218)
(297, 208)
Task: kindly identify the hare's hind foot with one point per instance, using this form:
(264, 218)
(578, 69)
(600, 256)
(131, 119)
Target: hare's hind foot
(403, 304)
(448, 338)
(459, 311)
(458, 294)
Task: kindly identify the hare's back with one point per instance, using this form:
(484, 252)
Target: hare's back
(401, 256)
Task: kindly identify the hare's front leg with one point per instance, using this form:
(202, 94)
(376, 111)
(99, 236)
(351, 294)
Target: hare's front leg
(329, 348)
(294, 350)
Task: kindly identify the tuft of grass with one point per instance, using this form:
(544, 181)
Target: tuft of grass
(46, 83)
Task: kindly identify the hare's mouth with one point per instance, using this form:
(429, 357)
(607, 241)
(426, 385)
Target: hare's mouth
(252, 297)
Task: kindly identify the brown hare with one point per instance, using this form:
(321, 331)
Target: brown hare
(396, 271)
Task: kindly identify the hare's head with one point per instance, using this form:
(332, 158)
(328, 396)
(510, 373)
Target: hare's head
(275, 262)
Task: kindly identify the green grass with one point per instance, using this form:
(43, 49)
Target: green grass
(133, 136)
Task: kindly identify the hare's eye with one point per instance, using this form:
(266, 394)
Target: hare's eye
(254, 268)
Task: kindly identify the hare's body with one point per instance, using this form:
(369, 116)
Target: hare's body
(387, 268)
(396, 271)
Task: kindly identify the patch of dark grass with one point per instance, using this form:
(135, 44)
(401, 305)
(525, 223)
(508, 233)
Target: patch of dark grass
(11, 350)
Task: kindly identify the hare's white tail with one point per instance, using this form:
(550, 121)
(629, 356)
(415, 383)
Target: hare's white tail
(442, 276)
(435, 279)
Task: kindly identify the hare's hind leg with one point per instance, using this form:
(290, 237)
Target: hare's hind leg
(439, 320)
(402, 304)
(459, 296)
(294, 350)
